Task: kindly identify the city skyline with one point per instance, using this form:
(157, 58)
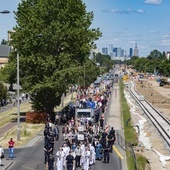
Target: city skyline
(115, 51)
(123, 23)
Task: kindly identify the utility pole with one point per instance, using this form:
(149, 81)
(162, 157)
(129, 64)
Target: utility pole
(18, 102)
(125, 64)
(84, 77)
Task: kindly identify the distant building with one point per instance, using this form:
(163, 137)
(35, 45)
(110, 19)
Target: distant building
(115, 51)
(168, 55)
(4, 54)
(136, 50)
(119, 52)
(110, 48)
(130, 52)
(105, 50)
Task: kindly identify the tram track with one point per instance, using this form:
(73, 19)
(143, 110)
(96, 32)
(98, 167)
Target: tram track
(161, 123)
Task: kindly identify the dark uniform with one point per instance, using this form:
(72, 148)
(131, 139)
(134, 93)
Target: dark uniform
(47, 152)
(46, 131)
(110, 139)
(51, 140)
(51, 162)
(69, 160)
(106, 154)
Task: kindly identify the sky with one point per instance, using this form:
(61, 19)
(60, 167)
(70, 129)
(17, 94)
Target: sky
(122, 23)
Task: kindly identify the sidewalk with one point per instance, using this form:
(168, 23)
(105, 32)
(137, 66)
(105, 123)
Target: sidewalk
(114, 119)
(8, 162)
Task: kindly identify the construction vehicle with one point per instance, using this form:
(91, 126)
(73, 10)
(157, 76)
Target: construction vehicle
(164, 81)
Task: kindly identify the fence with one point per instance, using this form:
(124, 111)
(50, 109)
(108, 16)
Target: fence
(128, 147)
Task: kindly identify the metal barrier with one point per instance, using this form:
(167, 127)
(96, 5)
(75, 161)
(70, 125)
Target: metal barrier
(126, 146)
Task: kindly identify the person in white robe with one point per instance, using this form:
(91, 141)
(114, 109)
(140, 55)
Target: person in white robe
(86, 159)
(66, 150)
(92, 155)
(82, 149)
(60, 159)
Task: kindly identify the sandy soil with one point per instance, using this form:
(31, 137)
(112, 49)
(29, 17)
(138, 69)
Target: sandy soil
(160, 98)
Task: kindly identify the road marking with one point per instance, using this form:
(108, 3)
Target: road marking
(117, 152)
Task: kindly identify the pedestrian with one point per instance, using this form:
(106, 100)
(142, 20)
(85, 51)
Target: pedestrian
(99, 154)
(70, 160)
(1, 155)
(110, 141)
(86, 159)
(51, 162)
(106, 154)
(102, 121)
(78, 156)
(60, 159)
(11, 148)
(56, 132)
(47, 151)
(46, 132)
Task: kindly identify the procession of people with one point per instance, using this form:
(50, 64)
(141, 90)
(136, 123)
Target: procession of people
(74, 153)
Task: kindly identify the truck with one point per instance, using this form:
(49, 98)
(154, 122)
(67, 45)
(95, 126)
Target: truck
(85, 113)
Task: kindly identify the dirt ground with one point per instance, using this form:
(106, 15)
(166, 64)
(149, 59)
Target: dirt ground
(160, 98)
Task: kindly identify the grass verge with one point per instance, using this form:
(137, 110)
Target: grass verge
(131, 137)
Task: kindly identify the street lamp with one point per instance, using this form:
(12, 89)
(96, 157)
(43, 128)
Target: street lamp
(5, 12)
(18, 102)
(84, 75)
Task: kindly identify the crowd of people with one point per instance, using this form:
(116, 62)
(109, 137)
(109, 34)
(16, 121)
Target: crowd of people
(73, 153)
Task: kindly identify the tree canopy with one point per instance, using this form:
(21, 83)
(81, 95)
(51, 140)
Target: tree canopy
(155, 61)
(53, 39)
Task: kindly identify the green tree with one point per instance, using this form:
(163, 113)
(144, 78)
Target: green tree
(3, 91)
(53, 38)
(88, 73)
(8, 74)
(156, 55)
(104, 60)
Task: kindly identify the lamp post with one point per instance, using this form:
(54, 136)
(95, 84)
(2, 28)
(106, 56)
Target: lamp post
(18, 102)
(84, 76)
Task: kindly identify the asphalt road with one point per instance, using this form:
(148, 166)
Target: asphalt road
(32, 158)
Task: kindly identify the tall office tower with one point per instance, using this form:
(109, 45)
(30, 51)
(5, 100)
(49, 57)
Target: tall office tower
(110, 48)
(130, 52)
(136, 50)
(119, 52)
(115, 51)
(122, 52)
(105, 50)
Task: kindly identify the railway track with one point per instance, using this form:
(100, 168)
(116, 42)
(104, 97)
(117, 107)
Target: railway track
(161, 123)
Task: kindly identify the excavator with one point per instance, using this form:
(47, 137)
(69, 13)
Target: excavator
(163, 81)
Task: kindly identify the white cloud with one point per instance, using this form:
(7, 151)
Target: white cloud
(128, 11)
(156, 2)
(153, 31)
(166, 36)
(165, 42)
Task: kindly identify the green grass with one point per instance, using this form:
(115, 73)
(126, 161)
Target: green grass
(130, 134)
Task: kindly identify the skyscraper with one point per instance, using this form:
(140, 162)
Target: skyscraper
(130, 52)
(115, 51)
(105, 50)
(136, 50)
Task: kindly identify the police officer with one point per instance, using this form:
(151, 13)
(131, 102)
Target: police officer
(110, 140)
(51, 162)
(106, 154)
(46, 132)
(51, 139)
(70, 160)
(47, 151)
